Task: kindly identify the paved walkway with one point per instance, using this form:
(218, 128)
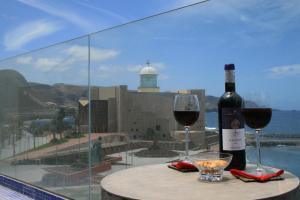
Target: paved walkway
(50, 150)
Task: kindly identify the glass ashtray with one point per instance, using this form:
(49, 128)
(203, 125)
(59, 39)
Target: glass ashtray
(211, 165)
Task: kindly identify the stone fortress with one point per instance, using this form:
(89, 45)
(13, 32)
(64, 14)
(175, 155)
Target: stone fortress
(142, 113)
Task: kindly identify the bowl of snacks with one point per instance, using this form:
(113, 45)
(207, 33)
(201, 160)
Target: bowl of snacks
(211, 165)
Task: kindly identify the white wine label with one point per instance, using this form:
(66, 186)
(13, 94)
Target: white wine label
(233, 139)
(229, 76)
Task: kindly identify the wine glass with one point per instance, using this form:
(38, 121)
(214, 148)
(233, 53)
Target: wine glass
(257, 116)
(186, 112)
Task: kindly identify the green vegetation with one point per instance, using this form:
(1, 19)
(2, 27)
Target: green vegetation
(55, 141)
(74, 135)
(249, 136)
(40, 147)
(57, 123)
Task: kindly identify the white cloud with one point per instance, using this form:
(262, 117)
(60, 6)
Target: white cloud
(50, 64)
(286, 70)
(270, 19)
(135, 68)
(67, 57)
(80, 53)
(107, 72)
(59, 12)
(216, 8)
(163, 77)
(103, 11)
(158, 65)
(244, 18)
(28, 32)
(24, 60)
(103, 54)
(112, 71)
(266, 15)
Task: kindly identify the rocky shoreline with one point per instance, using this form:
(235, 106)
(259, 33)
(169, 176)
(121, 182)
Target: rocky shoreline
(275, 141)
(212, 139)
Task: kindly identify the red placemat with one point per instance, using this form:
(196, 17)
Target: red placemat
(248, 177)
(183, 166)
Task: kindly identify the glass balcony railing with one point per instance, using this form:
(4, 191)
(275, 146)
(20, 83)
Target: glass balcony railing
(76, 111)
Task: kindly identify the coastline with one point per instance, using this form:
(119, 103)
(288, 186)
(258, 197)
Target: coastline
(270, 142)
(284, 124)
(212, 140)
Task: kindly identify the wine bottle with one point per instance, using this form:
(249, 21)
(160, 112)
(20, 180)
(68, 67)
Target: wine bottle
(231, 122)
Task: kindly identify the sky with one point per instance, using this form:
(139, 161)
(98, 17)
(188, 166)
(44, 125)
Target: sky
(189, 47)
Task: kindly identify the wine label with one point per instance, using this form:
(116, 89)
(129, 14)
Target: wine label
(233, 139)
(229, 76)
(233, 132)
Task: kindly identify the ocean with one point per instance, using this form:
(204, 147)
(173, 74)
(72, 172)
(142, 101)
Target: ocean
(283, 157)
(283, 123)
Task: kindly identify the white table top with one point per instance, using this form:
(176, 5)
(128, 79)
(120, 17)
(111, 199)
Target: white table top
(157, 182)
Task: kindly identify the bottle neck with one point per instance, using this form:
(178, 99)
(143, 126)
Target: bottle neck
(229, 87)
(229, 81)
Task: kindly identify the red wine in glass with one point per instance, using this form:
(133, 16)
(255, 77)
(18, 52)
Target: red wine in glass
(257, 118)
(186, 110)
(186, 118)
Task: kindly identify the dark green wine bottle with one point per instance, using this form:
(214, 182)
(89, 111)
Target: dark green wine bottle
(231, 122)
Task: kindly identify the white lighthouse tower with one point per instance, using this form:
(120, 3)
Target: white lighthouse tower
(148, 79)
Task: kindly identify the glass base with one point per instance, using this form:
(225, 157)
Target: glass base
(259, 171)
(211, 175)
(187, 160)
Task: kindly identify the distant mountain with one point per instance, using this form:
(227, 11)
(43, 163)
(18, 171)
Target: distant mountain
(18, 95)
(14, 95)
(12, 77)
(59, 94)
(211, 103)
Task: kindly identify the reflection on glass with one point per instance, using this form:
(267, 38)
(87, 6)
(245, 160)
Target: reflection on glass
(44, 106)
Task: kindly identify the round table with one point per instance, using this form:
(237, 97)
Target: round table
(157, 182)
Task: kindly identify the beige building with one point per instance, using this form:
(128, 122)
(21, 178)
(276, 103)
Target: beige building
(142, 114)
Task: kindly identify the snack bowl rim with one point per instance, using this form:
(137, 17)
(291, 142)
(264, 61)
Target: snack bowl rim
(207, 156)
(204, 156)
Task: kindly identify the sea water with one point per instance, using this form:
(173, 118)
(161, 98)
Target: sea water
(284, 157)
(283, 123)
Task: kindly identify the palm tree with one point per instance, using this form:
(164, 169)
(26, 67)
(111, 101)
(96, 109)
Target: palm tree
(58, 121)
(36, 130)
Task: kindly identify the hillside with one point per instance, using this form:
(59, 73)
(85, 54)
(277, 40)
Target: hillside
(211, 103)
(59, 94)
(21, 96)
(15, 96)
(28, 99)
(12, 77)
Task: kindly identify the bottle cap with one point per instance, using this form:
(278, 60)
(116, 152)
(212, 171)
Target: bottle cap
(229, 67)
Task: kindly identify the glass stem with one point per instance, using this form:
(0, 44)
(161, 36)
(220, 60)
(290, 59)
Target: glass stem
(187, 141)
(258, 156)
